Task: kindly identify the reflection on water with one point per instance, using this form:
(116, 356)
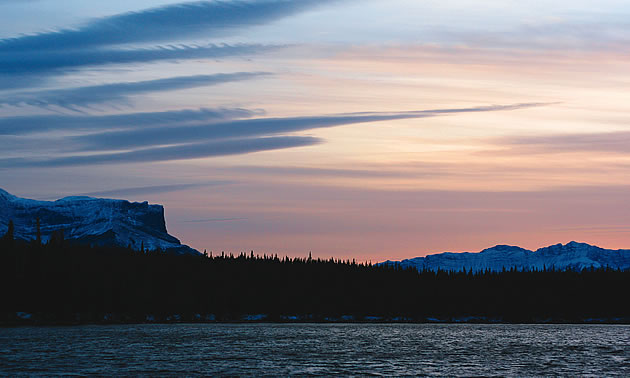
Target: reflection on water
(322, 349)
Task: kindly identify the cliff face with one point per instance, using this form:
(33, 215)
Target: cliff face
(92, 221)
(572, 255)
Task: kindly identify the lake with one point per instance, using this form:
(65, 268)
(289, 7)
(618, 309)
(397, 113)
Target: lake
(317, 349)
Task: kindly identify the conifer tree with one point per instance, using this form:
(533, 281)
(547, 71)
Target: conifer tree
(39, 232)
(9, 236)
(56, 239)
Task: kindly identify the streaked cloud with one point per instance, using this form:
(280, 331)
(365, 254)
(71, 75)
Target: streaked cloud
(34, 63)
(73, 98)
(179, 152)
(32, 58)
(172, 22)
(258, 127)
(153, 189)
(23, 125)
(382, 171)
(611, 142)
(212, 220)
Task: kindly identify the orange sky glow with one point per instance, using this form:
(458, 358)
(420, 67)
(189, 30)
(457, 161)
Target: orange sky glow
(524, 140)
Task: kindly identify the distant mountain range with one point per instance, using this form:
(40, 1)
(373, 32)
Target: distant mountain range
(112, 222)
(573, 255)
(91, 221)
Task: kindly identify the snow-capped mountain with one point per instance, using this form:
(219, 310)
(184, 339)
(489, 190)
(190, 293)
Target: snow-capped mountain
(91, 221)
(573, 255)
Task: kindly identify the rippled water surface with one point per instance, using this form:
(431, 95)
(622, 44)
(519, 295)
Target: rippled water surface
(320, 349)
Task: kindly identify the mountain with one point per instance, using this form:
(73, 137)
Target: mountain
(573, 255)
(91, 221)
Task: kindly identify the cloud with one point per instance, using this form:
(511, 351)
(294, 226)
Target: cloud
(11, 145)
(124, 192)
(613, 142)
(256, 127)
(33, 63)
(161, 136)
(72, 98)
(172, 22)
(28, 60)
(180, 152)
(377, 171)
(22, 125)
(215, 220)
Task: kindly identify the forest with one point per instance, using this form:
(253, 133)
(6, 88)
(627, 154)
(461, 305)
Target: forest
(60, 283)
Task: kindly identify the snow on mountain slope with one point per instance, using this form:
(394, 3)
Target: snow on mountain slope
(94, 221)
(572, 255)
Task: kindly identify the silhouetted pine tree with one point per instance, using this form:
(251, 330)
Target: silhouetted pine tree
(71, 279)
(9, 236)
(38, 235)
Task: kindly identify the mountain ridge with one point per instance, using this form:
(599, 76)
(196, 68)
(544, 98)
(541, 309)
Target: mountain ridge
(91, 221)
(573, 255)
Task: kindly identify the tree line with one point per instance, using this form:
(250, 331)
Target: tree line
(60, 282)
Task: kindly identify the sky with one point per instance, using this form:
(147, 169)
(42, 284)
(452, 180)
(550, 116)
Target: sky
(364, 129)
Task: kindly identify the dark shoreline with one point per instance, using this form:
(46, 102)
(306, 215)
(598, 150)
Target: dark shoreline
(57, 284)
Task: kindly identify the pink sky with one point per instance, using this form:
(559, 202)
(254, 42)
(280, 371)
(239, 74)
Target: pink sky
(526, 144)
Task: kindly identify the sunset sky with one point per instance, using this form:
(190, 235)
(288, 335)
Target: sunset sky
(365, 129)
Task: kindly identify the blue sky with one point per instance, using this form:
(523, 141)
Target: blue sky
(368, 129)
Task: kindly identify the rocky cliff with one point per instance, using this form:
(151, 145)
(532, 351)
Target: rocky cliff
(91, 221)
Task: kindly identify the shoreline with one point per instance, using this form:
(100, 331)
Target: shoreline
(37, 321)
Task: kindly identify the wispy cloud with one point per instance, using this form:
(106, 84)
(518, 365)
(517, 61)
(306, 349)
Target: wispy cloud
(614, 142)
(72, 98)
(180, 152)
(23, 125)
(215, 220)
(171, 22)
(257, 127)
(162, 136)
(29, 60)
(33, 63)
(383, 171)
(124, 192)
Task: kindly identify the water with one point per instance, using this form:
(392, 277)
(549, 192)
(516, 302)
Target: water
(319, 349)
